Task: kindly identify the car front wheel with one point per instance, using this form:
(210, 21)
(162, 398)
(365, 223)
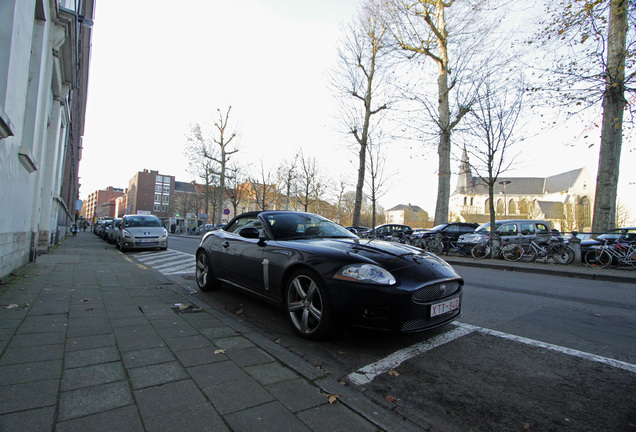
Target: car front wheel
(307, 305)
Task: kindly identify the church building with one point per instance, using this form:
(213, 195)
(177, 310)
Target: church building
(565, 199)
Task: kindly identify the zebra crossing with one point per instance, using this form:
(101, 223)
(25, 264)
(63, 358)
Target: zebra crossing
(168, 262)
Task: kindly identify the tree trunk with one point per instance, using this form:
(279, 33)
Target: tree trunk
(612, 131)
(444, 149)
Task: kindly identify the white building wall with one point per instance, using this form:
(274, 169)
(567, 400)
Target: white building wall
(33, 99)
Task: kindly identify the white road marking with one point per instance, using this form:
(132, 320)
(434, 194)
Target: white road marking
(168, 262)
(569, 351)
(368, 373)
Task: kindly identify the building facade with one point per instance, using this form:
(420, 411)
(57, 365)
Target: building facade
(151, 192)
(101, 203)
(565, 199)
(44, 60)
(407, 215)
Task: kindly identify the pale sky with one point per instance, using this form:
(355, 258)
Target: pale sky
(158, 66)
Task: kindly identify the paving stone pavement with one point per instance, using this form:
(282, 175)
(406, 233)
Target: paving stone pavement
(91, 341)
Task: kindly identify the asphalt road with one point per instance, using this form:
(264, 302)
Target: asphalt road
(531, 352)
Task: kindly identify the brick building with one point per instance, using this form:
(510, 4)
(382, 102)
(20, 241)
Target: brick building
(101, 203)
(149, 191)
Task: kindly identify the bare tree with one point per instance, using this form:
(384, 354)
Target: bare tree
(286, 180)
(376, 183)
(594, 62)
(263, 189)
(359, 80)
(490, 134)
(310, 182)
(200, 166)
(235, 194)
(419, 27)
(218, 149)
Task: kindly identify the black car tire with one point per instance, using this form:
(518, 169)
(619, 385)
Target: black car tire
(204, 276)
(307, 305)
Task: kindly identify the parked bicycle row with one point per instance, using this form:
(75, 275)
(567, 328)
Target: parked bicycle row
(520, 240)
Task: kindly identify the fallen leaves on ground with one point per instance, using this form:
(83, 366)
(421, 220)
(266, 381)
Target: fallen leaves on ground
(390, 398)
(394, 373)
(240, 311)
(331, 397)
(219, 351)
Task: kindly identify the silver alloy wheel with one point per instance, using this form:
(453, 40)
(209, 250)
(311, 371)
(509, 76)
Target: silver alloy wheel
(202, 271)
(305, 304)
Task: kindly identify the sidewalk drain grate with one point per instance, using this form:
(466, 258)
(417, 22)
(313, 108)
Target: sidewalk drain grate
(184, 289)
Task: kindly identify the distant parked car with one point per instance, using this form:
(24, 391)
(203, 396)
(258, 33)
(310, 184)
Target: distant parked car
(392, 230)
(142, 232)
(112, 234)
(514, 230)
(449, 232)
(360, 231)
(624, 235)
(103, 232)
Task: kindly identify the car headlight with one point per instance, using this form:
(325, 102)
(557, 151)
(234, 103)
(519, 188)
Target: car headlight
(367, 273)
(126, 234)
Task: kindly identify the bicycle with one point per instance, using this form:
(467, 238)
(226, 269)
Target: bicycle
(508, 250)
(431, 244)
(607, 254)
(554, 249)
(460, 248)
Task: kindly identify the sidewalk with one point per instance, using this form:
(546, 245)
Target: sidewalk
(89, 340)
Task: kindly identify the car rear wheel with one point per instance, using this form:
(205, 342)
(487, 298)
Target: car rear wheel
(205, 277)
(307, 305)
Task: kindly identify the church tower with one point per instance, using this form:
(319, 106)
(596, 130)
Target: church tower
(465, 181)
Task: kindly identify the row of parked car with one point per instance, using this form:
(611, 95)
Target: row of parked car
(458, 235)
(133, 232)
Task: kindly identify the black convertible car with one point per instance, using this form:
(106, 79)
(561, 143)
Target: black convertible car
(324, 276)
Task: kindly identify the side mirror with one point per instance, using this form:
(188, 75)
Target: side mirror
(249, 232)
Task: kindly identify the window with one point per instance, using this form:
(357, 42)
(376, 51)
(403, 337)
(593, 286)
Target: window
(157, 188)
(500, 206)
(157, 207)
(166, 188)
(157, 198)
(166, 198)
(159, 179)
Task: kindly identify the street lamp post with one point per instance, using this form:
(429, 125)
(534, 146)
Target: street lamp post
(505, 183)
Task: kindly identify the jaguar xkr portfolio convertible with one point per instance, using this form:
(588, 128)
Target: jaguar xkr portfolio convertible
(326, 277)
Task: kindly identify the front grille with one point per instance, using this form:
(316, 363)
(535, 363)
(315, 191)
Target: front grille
(424, 323)
(435, 291)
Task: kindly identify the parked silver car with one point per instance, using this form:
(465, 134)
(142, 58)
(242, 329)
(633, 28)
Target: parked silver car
(112, 233)
(513, 230)
(142, 232)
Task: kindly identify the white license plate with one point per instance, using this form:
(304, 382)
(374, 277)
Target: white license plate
(147, 241)
(443, 307)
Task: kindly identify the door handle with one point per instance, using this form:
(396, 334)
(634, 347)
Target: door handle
(226, 245)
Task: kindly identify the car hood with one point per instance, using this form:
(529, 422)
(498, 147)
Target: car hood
(390, 255)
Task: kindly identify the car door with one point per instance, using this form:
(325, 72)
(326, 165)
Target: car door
(242, 258)
(508, 232)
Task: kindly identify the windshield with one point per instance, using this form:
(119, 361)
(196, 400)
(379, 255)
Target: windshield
(142, 221)
(294, 226)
